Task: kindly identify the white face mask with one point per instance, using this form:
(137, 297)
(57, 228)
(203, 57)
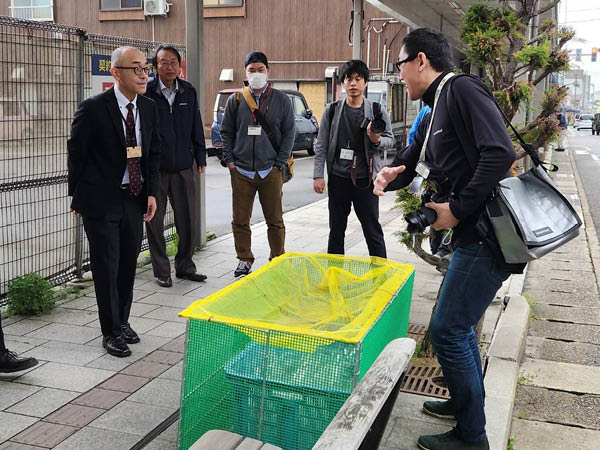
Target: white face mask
(257, 80)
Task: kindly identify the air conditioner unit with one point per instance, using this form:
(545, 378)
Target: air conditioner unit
(156, 7)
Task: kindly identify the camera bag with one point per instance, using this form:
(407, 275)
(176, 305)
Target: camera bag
(525, 217)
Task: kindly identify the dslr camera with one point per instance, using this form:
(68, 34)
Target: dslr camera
(437, 190)
(377, 124)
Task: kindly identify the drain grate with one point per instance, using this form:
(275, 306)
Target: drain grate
(419, 380)
(417, 329)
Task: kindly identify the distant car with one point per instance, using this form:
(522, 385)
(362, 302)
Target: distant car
(584, 122)
(15, 121)
(307, 127)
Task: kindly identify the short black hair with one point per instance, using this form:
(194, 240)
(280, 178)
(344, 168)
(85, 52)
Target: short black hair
(352, 67)
(434, 44)
(165, 47)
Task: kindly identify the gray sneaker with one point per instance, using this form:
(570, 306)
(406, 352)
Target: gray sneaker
(242, 269)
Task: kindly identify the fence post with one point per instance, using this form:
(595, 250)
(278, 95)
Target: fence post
(80, 64)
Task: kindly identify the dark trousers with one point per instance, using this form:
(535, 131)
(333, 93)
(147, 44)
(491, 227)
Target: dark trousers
(2, 347)
(115, 243)
(270, 194)
(342, 195)
(469, 286)
(179, 188)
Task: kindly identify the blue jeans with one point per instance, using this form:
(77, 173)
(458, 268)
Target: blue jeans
(469, 286)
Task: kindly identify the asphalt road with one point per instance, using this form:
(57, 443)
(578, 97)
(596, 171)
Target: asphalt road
(296, 193)
(587, 158)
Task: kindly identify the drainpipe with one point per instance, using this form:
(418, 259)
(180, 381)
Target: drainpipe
(358, 12)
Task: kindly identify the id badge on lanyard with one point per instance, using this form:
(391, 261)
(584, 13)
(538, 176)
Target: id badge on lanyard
(254, 130)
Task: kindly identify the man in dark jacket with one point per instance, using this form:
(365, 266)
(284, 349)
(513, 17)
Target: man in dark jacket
(472, 279)
(182, 139)
(255, 161)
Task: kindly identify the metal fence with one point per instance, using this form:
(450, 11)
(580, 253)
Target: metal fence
(45, 71)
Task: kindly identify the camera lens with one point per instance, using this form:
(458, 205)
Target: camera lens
(420, 219)
(378, 125)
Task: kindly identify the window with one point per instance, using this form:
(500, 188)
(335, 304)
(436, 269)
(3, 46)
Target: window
(299, 107)
(213, 3)
(40, 10)
(116, 5)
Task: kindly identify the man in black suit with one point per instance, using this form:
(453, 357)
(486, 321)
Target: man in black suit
(114, 155)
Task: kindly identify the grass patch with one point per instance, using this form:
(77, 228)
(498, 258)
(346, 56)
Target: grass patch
(525, 379)
(511, 443)
(531, 303)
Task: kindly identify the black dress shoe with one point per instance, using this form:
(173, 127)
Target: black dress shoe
(164, 282)
(10, 362)
(128, 335)
(116, 346)
(192, 276)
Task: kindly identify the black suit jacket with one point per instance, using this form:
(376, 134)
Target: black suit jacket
(97, 157)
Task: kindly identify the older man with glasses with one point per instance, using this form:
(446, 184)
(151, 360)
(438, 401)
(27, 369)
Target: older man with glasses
(113, 159)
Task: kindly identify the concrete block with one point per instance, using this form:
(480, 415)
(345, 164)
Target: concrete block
(132, 418)
(534, 435)
(562, 376)
(509, 338)
(91, 438)
(43, 402)
(11, 393)
(13, 424)
(501, 378)
(159, 392)
(63, 376)
(498, 413)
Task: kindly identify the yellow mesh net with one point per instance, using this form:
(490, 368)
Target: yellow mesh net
(325, 296)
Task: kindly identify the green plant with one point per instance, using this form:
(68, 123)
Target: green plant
(511, 443)
(531, 303)
(525, 379)
(64, 292)
(30, 295)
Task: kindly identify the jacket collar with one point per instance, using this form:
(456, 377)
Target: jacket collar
(429, 95)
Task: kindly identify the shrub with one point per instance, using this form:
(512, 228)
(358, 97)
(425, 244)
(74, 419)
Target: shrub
(30, 295)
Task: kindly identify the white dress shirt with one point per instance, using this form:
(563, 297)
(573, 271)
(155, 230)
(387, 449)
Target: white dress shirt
(169, 93)
(123, 101)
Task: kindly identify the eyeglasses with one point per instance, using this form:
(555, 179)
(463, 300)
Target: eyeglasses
(137, 69)
(168, 64)
(409, 59)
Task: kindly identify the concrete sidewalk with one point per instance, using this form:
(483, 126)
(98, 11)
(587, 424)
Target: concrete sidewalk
(557, 404)
(79, 397)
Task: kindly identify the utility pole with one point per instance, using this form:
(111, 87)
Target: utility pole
(357, 14)
(194, 25)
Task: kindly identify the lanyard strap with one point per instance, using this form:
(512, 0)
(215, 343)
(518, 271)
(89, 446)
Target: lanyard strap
(435, 102)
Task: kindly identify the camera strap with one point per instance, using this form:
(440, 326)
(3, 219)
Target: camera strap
(415, 186)
(370, 157)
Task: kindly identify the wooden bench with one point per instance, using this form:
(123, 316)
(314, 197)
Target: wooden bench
(361, 421)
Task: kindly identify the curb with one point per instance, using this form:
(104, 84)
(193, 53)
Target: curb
(502, 370)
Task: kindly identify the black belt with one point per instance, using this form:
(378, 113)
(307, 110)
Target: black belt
(125, 186)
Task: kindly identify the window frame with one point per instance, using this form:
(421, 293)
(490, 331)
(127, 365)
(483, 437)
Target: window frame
(31, 8)
(219, 5)
(130, 8)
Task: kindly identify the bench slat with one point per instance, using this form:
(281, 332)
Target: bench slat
(250, 444)
(217, 439)
(352, 422)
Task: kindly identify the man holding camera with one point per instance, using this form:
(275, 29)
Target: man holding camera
(350, 140)
(473, 278)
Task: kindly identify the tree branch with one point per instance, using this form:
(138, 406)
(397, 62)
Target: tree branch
(548, 7)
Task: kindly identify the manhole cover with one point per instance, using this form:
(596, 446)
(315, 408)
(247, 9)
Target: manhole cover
(419, 380)
(417, 329)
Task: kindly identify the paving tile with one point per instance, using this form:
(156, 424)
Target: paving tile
(139, 324)
(9, 445)
(178, 288)
(133, 418)
(44, 434)
(65, 352)
(175, 345)
(174, 373)
(43, 402)
(159, 392)
(66, 333)
(175, 301)
(80, 303)
(74, 415)
(90, 438)
(64, 376)
(13, 424)
(11, 393)
(145, 369)
(124, 383)
(109, 362)
(164, 357)
(164, 313)
(168, 330)
(137, 295)
(142, 309)
(100, 398)
(70, 316)
(23, 327)
(170, 434)
(161, 444)
(148, 343)
(14, 375)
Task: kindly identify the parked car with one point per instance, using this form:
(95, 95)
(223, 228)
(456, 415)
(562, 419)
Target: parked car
(15, 121)
(307, 127)
(596, 125)
(584, 122)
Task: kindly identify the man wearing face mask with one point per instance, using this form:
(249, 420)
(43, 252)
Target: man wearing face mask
(258, 134)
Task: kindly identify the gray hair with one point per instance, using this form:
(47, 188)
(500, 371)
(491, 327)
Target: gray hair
(116, 54)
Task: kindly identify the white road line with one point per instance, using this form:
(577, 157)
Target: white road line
(564, 175)
(581, 152)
